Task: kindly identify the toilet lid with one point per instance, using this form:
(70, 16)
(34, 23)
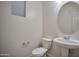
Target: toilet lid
(39, 51)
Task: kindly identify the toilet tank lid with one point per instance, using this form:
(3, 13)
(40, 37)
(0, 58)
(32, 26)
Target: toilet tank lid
(46, 39)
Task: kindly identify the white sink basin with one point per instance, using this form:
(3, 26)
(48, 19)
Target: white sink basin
(71, 43)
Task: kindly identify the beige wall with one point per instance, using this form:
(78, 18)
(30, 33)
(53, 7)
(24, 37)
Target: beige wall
(50, 12)
(14, 30)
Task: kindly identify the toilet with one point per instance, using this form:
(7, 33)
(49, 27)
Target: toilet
(41, 51)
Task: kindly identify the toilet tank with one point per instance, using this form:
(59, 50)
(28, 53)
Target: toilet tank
(46, 43)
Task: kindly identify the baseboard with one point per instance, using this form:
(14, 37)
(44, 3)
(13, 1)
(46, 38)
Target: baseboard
(4, 55)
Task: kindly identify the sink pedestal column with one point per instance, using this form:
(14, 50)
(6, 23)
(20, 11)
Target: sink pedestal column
(59, 51)
(64, 52)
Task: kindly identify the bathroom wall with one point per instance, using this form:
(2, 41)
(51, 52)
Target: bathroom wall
(14, 30)
(50, 11)
(50, 26)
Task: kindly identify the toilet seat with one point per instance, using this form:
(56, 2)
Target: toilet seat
(39, 51)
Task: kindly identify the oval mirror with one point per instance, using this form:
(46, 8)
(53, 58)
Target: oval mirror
(68, 18)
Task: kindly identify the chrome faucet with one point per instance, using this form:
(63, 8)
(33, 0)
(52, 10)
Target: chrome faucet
(66, 37)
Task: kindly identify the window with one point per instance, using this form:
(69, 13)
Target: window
(18, 8)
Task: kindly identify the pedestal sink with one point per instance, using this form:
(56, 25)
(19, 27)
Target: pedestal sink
(68, 24)
(65, 45)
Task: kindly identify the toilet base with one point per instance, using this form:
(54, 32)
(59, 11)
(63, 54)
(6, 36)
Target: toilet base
(50, 55)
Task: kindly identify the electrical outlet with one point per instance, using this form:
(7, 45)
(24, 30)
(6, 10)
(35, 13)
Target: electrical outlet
(28, 42)
(25, 44)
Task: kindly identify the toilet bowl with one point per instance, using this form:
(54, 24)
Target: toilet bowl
(41, 51)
